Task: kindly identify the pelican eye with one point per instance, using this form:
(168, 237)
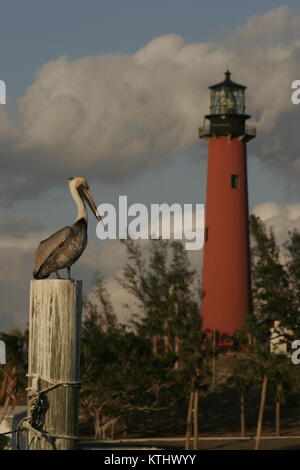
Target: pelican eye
(81, 187)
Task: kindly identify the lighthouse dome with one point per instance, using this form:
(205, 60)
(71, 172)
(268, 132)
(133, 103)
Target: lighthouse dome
(227, 97)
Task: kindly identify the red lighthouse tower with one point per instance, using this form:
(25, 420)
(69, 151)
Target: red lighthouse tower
(226, 269)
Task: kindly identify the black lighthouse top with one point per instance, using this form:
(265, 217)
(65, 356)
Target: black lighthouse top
(227, 97)
(227, 82)
(227, 109)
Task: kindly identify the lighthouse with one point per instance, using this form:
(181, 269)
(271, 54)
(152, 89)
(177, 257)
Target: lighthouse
(226, 263)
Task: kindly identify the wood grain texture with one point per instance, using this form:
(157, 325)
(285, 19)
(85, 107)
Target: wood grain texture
(54, 353)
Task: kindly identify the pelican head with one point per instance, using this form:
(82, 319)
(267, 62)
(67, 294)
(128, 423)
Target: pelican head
(79, 187)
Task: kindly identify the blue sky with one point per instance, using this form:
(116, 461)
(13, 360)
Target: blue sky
(35, 33)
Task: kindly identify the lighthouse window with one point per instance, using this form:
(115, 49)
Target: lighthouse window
(234, 181)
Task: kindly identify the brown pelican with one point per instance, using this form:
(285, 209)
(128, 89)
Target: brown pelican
(63, 248)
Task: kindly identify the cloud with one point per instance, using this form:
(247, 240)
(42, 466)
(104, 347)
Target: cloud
(18, 227)
(16, 254)
(112, 116)
(282, 218)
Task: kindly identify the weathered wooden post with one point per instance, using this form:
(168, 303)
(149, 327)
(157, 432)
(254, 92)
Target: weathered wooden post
(54, 359)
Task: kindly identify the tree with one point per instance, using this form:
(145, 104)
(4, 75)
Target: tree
(285, 380)
(259, 360)
(253, 341)
(270, 284)
(243, 377)
(292, 247)
(120, 376)
(164, 286)
(195, 352)
(13, 374)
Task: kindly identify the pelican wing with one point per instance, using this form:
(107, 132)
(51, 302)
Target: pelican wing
(47, 247)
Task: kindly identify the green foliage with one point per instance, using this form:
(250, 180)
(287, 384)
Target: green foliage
(282, 372)
(16, 347)
(270, 283)
(275, 297)
(119, 373)
(122, 373)
(154, 360)
(292, 247)
(157, 282)
(13, 373)
(165, 284)
(245, 374)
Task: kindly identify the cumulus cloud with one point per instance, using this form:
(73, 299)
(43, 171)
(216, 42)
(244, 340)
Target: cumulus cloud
(18, 227)
(16, 254)
(112, 116)
(282, 218)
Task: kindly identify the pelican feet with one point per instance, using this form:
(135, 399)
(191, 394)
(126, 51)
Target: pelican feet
(69, 274)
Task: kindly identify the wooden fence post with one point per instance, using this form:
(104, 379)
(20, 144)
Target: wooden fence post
(54, 357)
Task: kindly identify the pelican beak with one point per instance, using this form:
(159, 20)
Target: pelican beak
(86, 193)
